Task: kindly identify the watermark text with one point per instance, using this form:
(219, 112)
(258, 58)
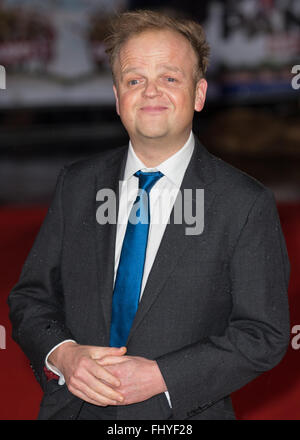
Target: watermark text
(2, 338)
(296, 339)
(296, 78)
(186, 207)
(2, 77)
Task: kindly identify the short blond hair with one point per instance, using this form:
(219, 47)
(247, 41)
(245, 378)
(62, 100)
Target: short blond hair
(129, 24)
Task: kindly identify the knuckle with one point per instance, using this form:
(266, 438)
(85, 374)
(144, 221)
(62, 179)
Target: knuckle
(117, 372)
(77, 374)
(125, 395)
(81, 368)
(71, 388)
(83, 362)
(72, 382)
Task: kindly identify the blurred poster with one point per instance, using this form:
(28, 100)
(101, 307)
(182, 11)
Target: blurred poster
(53, 50)
(255, 44)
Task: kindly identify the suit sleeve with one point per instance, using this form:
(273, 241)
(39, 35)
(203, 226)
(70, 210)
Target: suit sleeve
(36, 302)
(257, 335)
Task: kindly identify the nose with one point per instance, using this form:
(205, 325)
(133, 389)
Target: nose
(151, 89)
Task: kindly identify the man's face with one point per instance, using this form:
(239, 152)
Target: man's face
(156, 91)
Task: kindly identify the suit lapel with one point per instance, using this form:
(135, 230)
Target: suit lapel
(107, 177)
(199, 174)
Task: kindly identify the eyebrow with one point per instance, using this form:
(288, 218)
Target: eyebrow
(129, 70)
(172, 68)
(162, 66)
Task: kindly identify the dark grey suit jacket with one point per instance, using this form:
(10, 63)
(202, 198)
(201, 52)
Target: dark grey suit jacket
(214, 313)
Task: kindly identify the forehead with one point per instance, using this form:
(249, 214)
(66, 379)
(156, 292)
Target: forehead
(156, 47)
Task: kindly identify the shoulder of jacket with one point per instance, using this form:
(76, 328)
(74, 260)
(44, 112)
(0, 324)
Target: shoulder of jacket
(235, 180)
(94, 162)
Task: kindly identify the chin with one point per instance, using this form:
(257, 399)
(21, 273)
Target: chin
(153, 134)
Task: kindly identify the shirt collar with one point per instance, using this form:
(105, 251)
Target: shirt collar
(173, 168)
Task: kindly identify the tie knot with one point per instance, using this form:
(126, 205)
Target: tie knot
(148, 180)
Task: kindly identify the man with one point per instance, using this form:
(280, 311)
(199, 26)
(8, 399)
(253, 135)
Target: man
(211, 310)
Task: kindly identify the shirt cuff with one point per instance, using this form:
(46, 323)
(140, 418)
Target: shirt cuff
(49, 366)
(168, 398)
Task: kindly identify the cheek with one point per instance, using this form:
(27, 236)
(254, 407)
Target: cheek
(127, 103)
(183, 101)
(127, 110)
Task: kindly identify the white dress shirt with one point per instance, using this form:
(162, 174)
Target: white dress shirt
(162, 198)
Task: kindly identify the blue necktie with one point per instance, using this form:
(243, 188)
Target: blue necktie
(131, 266)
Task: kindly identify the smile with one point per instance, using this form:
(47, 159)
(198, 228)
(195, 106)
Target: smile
(153, 109)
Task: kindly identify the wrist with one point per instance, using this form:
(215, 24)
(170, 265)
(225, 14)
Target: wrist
(59, 354)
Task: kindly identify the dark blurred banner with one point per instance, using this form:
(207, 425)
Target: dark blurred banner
(53, 50)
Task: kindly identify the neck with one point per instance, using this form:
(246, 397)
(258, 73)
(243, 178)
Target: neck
(155, 151)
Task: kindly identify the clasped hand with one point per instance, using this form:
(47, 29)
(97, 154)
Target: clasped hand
(106, 376)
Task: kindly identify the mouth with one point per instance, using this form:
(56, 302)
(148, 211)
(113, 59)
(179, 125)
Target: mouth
(153, 109)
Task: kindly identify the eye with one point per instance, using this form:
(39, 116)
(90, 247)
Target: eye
(133, 82)
(170, 79)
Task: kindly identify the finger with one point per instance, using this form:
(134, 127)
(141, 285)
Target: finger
(111, 360)
(89, 369)
(97, 386)
(93, 387)
(102, 374)
(99, 401)
(108, 351)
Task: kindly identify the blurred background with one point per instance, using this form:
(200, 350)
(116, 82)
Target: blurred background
(58, 106)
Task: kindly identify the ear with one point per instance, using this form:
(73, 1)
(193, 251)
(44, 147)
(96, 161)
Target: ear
(201, 89)
(117, 99)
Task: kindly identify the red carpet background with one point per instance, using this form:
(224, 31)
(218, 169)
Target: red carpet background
(275, 395)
